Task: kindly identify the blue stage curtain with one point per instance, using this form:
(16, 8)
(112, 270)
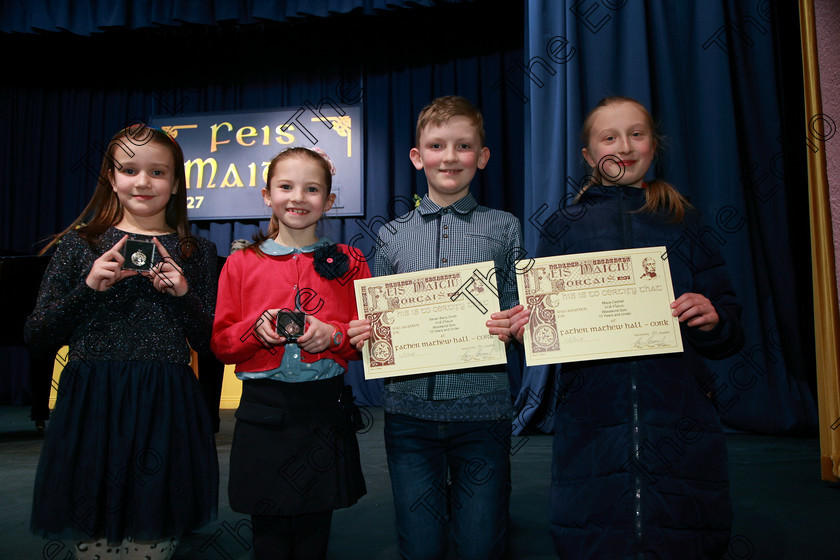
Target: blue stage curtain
(715, 73)
(53, 127)
(717, 77)
(86, 17)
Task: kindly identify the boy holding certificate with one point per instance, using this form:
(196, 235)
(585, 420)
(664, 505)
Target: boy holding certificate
(445, 428)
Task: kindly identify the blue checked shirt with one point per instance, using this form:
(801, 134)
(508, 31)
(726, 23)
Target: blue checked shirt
(434, 237)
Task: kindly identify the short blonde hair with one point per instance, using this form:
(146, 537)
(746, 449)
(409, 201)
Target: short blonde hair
(440, 110)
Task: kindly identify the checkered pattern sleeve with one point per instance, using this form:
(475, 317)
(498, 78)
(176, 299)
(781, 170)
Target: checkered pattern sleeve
(434, 237)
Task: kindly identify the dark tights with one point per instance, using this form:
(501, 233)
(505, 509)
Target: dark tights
(298, 537)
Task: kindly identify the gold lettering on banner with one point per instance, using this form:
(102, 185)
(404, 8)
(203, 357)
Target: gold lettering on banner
(246, 132)
(249, 136)
(284, 137)
(265, 165)
(172, 130)
(200, 164)
(214, 136)
(252, 168)
(232, 178)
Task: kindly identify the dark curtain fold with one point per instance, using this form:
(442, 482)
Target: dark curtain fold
(86, 17)
(721, 80)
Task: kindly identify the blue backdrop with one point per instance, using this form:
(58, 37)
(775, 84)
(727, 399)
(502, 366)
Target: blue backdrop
(714, 72)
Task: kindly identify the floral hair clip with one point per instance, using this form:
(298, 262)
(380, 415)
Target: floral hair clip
(330, 261)
(324, 155)
(167, 133)
(134, 130)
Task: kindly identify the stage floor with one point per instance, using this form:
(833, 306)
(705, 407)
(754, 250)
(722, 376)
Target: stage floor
(782, 509)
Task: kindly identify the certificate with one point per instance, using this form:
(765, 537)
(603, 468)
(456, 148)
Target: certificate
(430, 321)
(593, 306)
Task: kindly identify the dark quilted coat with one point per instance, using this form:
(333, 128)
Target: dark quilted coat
(640, 461)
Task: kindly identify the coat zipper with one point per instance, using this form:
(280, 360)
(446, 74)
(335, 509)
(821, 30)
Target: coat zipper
(627, 234)
(637, 479)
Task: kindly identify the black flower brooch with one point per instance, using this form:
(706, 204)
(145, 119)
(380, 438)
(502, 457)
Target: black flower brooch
(331, 262)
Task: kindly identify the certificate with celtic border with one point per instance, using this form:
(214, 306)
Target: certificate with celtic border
(430, 321)
(593, 306)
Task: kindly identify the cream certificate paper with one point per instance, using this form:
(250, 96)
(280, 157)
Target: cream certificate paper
(593, 306)
(430, 321)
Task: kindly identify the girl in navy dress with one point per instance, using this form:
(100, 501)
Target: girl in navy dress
(129, 461)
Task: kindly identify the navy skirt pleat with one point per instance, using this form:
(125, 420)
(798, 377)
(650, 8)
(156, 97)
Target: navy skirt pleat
(129, 452)
(294, 451)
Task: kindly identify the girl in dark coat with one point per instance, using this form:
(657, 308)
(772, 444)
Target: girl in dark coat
(640, 460)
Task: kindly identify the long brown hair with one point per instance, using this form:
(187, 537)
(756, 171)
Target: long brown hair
(303, 153)
(104, 209)
(660, 196)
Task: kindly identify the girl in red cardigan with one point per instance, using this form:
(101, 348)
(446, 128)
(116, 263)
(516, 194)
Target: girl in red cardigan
(281, 316)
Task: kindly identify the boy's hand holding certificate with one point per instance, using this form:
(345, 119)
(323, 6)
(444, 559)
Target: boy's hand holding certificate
(429, 321)
(593, 306)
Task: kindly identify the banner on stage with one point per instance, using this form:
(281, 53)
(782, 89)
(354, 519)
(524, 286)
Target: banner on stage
(226, 155)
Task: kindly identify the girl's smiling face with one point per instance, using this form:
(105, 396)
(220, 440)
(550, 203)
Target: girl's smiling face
(297, 195)
(621, 144)
(143, 183)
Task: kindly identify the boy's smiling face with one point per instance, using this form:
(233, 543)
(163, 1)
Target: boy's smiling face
(450, 154)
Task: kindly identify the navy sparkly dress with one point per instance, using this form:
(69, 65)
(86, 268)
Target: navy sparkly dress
(129, 451)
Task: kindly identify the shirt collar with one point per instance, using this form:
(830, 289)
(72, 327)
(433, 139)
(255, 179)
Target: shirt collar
(463, 205)
(271, 247)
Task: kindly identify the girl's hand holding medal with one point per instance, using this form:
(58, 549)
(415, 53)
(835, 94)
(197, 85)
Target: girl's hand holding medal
(107, 270)
(318, 336)
(166, 276)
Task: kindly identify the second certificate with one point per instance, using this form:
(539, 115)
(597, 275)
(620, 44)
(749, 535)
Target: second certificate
(592, 306)
(429, 321)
